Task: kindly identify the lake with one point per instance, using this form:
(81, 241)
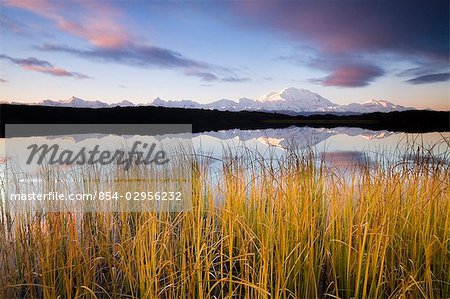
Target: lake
(336, 146)
(258, 204)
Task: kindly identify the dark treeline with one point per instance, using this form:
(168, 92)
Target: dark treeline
(413, 121)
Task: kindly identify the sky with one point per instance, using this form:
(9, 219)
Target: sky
(346, 51)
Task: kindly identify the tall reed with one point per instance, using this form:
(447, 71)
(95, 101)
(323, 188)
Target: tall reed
(260, 228)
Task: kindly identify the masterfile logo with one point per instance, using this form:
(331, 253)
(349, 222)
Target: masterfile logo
(99, 167)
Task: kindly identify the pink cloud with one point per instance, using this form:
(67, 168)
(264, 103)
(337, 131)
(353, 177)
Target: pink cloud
(351, 76)
(101, 33)
(334, 27)
(55, 71)
(41, 7)
(42, 66)
(96, 22)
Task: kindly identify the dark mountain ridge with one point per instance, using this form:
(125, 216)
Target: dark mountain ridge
(413, 121)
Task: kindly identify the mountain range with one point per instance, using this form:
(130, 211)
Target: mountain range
(291, 101)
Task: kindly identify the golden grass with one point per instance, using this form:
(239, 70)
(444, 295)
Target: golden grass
(267, 229)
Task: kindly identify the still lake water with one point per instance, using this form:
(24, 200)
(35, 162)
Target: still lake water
(341, 150)
(337, 146)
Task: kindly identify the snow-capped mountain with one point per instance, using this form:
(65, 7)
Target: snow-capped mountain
(297, 100)
(175, 104)
(373, 106)
(289, 101)
(80, 103)
(124, 103)
(224, 105)
(75, 102)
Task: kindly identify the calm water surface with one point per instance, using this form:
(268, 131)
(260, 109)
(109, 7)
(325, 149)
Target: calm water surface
(338, 146)
(339, 149)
